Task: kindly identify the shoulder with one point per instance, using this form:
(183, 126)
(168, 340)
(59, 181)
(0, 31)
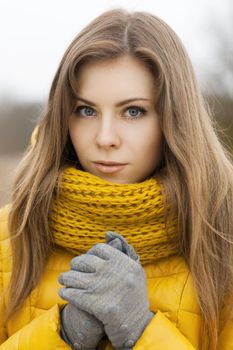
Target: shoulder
(167, 267)
(5, 247)
(171, 291)
(4, 214)
(169, 272)
(171, 278)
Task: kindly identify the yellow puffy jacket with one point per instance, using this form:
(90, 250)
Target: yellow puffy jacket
(36, 326)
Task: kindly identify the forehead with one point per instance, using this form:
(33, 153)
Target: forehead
(118, 76)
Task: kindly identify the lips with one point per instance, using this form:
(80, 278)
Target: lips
(105, 162)
(108, 167)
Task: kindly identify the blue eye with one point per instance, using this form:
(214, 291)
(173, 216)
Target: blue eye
(88, 111)
(136, 112)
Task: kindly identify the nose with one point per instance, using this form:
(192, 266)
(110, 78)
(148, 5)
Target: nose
(107, 134)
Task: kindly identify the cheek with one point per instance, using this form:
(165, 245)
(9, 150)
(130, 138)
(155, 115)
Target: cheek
(73, 133)
(156, 139)
(152, 136)
(153, 145)
(76, 134)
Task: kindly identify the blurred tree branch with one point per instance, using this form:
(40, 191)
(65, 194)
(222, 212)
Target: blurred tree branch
(219, 74)
(17, 120)
(220, 68)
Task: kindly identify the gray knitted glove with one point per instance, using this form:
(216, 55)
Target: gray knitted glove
(117, 241)
(79, 329)
(114, 292)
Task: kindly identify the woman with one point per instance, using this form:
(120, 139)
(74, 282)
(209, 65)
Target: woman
(125, 197)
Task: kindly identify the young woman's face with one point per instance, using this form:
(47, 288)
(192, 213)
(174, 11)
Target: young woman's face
(106, 128)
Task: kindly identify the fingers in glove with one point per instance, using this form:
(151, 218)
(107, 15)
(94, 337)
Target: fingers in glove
(76, 297)
(69, 294)
(103, 251)
(75, 279)
(113, 238)
(107, 253)
(116, 243)
(86, 263)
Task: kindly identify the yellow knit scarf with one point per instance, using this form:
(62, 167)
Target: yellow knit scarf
(86, 206)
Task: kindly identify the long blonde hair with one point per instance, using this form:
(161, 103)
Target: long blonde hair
(197, 174)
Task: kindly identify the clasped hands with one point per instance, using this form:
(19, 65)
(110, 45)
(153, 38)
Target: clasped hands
(106, 291)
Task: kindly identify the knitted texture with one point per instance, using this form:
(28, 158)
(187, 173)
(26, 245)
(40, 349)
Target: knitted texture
(85, 206)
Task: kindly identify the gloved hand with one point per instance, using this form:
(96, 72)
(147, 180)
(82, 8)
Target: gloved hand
(79, 329)
(117, 241)
(114, 292)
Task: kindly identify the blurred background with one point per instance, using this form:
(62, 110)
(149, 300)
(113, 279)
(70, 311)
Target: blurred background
(35, 34)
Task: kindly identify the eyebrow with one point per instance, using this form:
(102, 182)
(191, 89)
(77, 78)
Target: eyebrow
(119, 104)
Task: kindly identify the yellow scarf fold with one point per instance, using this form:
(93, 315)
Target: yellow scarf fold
(85, 206)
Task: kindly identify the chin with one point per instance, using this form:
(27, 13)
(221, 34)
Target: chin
(118, 180)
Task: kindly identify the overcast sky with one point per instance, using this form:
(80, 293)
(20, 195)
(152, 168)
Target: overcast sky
(35, 34)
